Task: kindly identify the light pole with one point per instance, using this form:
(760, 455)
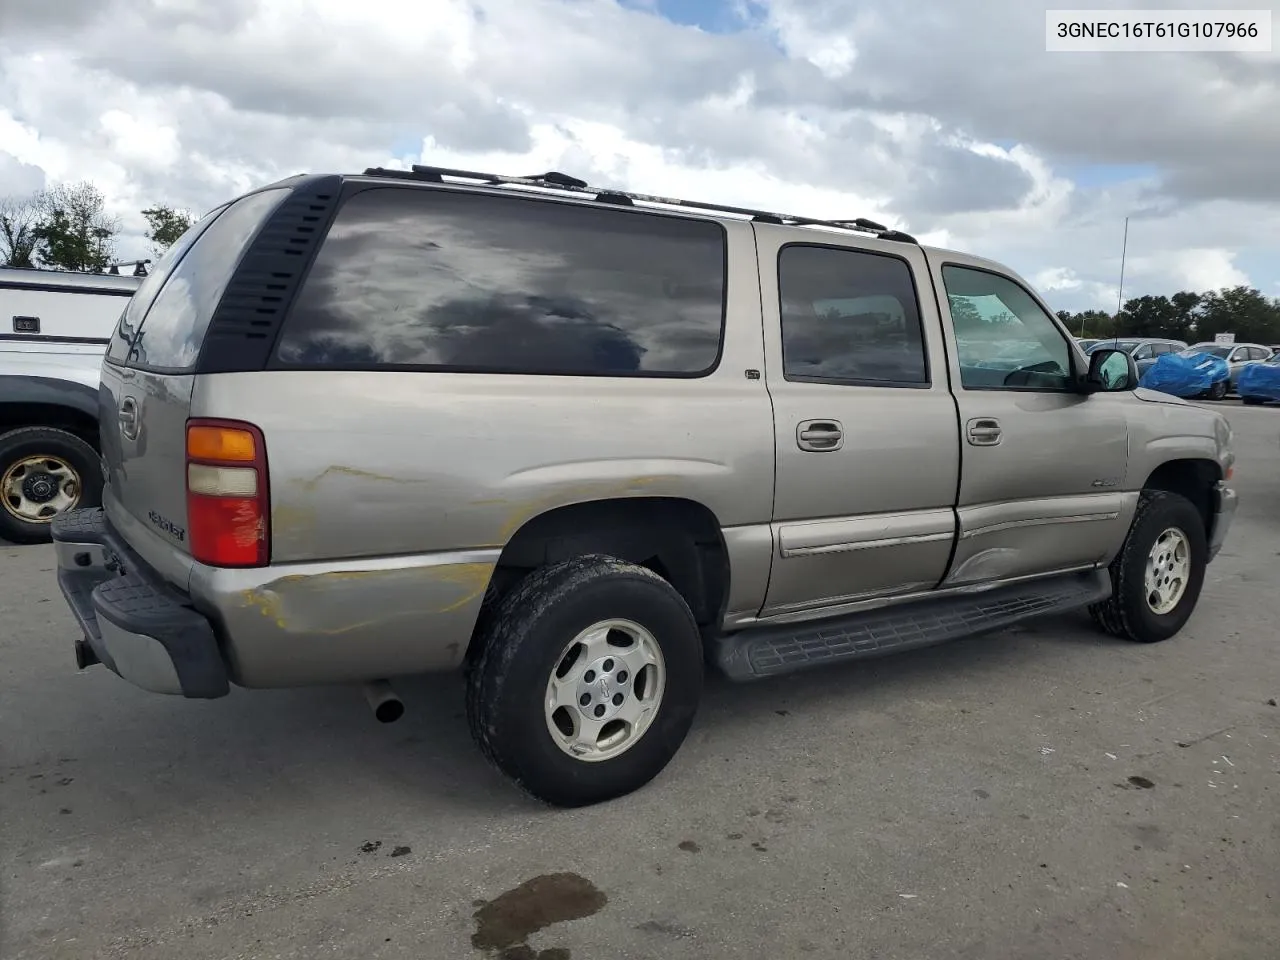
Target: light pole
(1124, 249)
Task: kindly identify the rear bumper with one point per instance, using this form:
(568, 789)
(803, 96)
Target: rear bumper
(1225, 502)
(133, 623)
(288, 625)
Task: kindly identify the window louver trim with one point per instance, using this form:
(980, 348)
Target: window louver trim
(244, 326)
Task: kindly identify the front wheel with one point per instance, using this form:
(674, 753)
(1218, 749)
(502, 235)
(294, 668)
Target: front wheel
(1218, 391)
(587, 680)
(1156, 578)
(1251, 401)
(44, 472)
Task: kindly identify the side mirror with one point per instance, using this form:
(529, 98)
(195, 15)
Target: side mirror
(1111, 371)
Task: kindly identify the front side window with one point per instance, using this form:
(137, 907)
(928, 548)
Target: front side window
(465, 282)
(849, 316)
(1004, 338)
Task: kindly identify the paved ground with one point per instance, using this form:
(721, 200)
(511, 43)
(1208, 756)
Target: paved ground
(1038, 794)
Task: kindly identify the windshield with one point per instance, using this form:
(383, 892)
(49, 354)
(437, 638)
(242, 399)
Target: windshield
(1213, 349)
(1128, 346)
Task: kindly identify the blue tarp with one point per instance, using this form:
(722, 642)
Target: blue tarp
(1261, 380)
(1185, 376)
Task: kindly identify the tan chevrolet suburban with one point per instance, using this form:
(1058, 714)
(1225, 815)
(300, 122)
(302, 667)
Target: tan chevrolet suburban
(577, 444)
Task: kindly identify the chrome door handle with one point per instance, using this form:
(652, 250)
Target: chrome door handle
(984, 432)
(820, 436)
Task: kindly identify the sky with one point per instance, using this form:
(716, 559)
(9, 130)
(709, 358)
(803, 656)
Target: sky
(945, 118)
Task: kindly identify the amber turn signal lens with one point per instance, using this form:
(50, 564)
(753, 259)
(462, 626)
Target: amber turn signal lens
(224, 444)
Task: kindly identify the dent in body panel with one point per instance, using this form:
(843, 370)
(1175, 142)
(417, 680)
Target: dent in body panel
(750, 555)
(1000, 541)
(866, 533)
(832, 562)
(349, 621)
(463, 461)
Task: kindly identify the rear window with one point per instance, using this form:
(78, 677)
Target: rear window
(441, 280)
(174, 319)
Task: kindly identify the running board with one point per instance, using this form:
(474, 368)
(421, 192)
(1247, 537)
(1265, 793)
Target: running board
(761, 652)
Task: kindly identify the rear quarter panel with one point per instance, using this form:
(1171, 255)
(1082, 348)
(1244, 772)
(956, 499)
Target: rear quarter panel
(392, 493)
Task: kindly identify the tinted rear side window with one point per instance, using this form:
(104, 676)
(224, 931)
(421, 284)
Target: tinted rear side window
(145, 295)
(174, 327)
(849, 316)
(438, 280)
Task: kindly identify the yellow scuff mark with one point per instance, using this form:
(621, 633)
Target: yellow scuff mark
(333, 576)
(356, 472)
(273, 600)
(267, 603)
(473, 576)
(285, 519)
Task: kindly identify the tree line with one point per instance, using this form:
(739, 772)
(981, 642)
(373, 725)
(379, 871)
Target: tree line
(67, 227)
(1188, 316)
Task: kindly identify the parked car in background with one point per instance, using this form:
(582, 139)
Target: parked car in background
(1144, 350)
(56, 325)
(1260, 382)
(1237, 355)
(1085, 342)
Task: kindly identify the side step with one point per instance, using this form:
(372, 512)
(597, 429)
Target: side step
(754, 654)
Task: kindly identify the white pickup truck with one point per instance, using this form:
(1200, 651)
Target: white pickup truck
(54, 328)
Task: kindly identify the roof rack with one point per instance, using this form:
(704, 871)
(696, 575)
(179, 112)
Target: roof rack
(139, 267)
(553, 180)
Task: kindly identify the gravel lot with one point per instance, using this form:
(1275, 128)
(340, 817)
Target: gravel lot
(1041, 793)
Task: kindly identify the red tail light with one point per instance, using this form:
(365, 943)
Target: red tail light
(228, 511)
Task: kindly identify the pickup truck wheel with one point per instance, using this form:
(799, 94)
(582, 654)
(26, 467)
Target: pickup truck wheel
(587, 680)
(1219, 390)
(1156, 578)
(44, 472)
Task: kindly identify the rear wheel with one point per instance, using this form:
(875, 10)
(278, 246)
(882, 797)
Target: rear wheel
(44, 472)
(1218, 391)
(587, 680)
(1251, 401)
(1157, 577)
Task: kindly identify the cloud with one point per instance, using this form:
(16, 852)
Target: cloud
(943, 117)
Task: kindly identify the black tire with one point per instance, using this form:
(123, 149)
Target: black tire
(1251, 401)
(521, 641)
(1218, 391)
(1127, 614)
(17, 445)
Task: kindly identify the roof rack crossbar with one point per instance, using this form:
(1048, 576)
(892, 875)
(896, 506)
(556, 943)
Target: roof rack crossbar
(554, 180)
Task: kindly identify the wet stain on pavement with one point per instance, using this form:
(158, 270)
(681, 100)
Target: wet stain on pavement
(504, 924)
(689, 846)
(663, 928)
(525, 952)
(1150, 835)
